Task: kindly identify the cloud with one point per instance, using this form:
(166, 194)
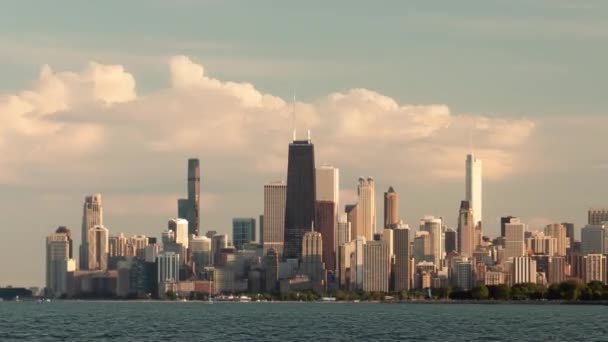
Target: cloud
(240, 132)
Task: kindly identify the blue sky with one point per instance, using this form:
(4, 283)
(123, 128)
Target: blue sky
(410, 79)
(494, 57)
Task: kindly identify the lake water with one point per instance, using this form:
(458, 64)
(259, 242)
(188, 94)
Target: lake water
(196, 321)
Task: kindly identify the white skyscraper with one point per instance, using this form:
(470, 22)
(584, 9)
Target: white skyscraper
(435, 228)
(366, 209)
(180, 228)
(98, 248)
(328, 184)
(473, 186)
(273, 229)
(514, 240)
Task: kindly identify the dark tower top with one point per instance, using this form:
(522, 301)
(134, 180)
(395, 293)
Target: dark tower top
(300, 201)
(194, 188)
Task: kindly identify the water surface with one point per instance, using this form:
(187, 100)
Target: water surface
(197, 321)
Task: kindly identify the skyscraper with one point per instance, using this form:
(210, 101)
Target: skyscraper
(98, 248)
(366, 209)
(473, 187)
(343, 230)
(558, 231)
(597, 216)
(180, 228)
(328, 184)
(312, 260)
(92, 215)
(594, 239)
(504, 221)
(326, 210)
(243, 231)
(376, 268)
(325, 223)
(300, 201)
(351, 217)
(514, 240)
(391, 208)
(466, 230)
(451, 241)
(189, 208)
(58, 261)
(274, 217)
(434, 226)
(401, 246)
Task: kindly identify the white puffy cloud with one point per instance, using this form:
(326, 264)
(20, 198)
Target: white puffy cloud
(72, 117)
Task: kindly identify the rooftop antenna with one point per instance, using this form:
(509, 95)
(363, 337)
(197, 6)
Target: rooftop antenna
(293, 113)
(309, 136)
(471, 141)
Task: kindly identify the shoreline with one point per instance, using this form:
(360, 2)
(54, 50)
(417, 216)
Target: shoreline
(406, 302)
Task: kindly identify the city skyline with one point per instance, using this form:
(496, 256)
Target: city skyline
(88, 116)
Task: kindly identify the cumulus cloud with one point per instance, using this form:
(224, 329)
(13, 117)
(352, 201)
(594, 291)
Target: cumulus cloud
(69, 117)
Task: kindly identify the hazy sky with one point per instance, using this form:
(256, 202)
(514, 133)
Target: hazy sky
(113, 97)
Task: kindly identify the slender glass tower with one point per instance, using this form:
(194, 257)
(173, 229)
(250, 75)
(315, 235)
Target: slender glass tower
(300, 201)
(473, 187)
(189, 208)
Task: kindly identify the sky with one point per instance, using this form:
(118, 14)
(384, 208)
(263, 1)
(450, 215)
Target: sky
(114, 96)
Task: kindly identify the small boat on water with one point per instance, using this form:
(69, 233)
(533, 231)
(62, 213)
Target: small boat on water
(244, 299)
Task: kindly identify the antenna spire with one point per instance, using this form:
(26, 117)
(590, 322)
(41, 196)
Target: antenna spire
(293, 113)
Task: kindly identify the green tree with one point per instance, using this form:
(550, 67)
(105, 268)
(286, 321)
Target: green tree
(570, 290)
(500, 292)
(480, 292)
(171, 295)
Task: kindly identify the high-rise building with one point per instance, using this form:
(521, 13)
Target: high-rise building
(504, 221)
(597, 216)
(595, 268)
(391, 208)
(434, 226)
(180, 228)
(243, 231)
(356, 263)
(92, 215)
(351, 217)
(422, 247)
(466, 230)
(463, 273)
(200, 251)
(325, 223)
(558, 232)
(569, 234)
(218, 242)
(271, 271)
(556, 271)
(594, 239)
(401, 246)
(366, 209)
(514, 240)
(68, 233)
(451, 241)
(168, 267)
(261, 223)
(328, 184)
(376, 268)
(300, 201)
(137, 244)
(343, 231)
(523, 270)
(312, 256)
(540, 244)
(58, 262)
(189, 208)
(117, 246)
(473, 187)
(97, 242)
(274, 217)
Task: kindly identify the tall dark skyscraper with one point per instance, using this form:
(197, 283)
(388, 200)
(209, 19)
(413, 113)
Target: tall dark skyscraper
(189, 208)
(300, 201)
